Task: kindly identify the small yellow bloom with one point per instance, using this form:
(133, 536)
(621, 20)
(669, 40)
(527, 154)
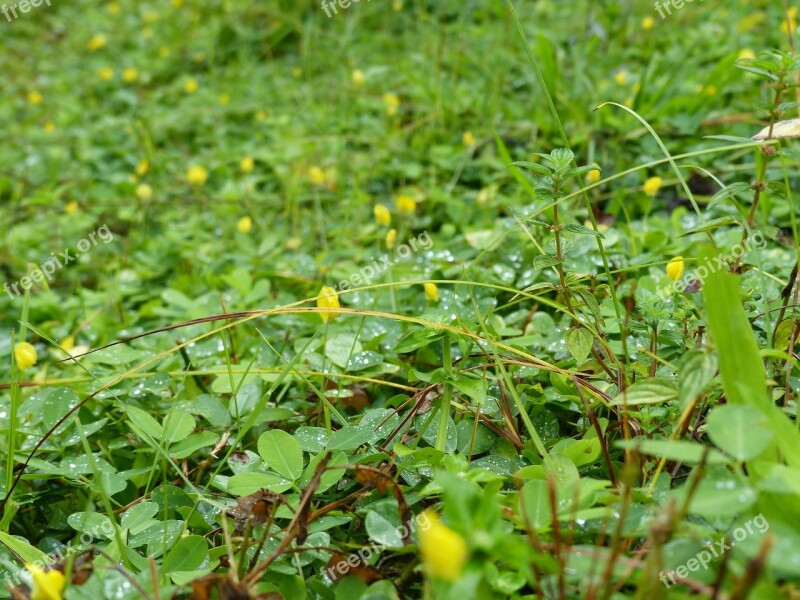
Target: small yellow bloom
(628, 102)
(392, 103)
(144, 191)
(293, 243)
(113, 8)
(224, 99)
(468, 139)
(621, 78)
(675, 268)
(710, 90)
(71, 207)
(197, 175)
(648, 23)
(244, 225)
(177, 3)
(391, 238)
(96, 42)
(636, 88)
(406, 204)
(316, 175)
(143, 167)
(297, 72)
(431, 292)
(35, 97)
(746, 54)
(652, 185)
(49, 127)
(190, 86)
(130, 75)
(68, 343)
(382, 215)
(444, 551)
(593, 176)
(328, 299)
(150, 16)
(25, 355)
(106, 73)
(397, 5)
(247, 165)
(261, 115)
(163, 52)
(358, 77)
(47, 585)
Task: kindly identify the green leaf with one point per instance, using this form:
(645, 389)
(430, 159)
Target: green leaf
(686, 452)
(143, 424)
(741, 431)
(650, 391)
(579, 343)
(535, 502)
(535, 167)
(243, 484)
(187, 555)
(582, 230)
(281, 452)
(23, 549)
(696, 369)
(474, 388)
(543, 261)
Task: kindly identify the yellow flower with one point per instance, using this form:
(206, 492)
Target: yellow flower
(113, 8)
(710, 90)
(406, 204)
(392, 103)
(316, 175)
(652, 185)
(648, 23)
(593, 176)
(35, 97)
(431, 292)
(130, 75)
(150, 16)
(177, 3)
(621, 78)
(96, 42)
(47, 585)
(444, 551)
(247, 164)
(190, 86)
(746, 53)
(261, 115)
(328, 299)
(163, 52)
(224, 99)
(675, 268)
(244, 225)
(106, 73)
(391, 238)
(468, 139)
(397, 5)
(25, 355)
(71, 207)
(197, 175)
(358, 77)
(143, 167)
(49, 127)
(68, 343)
(382, 215)
(144, 191)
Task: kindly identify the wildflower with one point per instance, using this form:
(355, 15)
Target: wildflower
(261, 115)
(648, 23)
(35, 97)
(71, 207)
(746, 54)
(593, 176)
(444, 551)
(130, 75)
(316, 175)
(468, 139)
(224, 100)
(637, 87)
(392, 103)
(96, 42)
(247, 164)
(328, 299)
(382, 215)
(397, 5)
(652, 185)
(244, 225)
(197, 175)
(106, 73)
(358, 77)
(190, 86)
(710, 90)
(49, 127)
(25, 355)
(177, 3)
(68, 344)
(47, 585)
(144, 191)
(113, 8)
(163, 52)
(391, 238)
(621, 78)
(143, 167)
(675, 268)
(431, 292)
(406, 204)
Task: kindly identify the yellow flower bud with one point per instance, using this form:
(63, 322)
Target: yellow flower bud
(96, 42)
(648, 23)
(358, 77)
(106, 73)
(406, 204)
(25, 355)
(144, 191)
(35, 97)
(328, 299)
(247, 164)
(47, 585)
(675, 268)
(190, 86)
(143, 167)
(652, 185)
(593, 176)
(130, 75)
(431, 292)
(621, 78)
(316, 175)
(444, 551)
(382, 215)
(392, 103)
(71, 207)
(245, 224)
(391, 238)
(746, 54)
(197, 175)
(468, 139)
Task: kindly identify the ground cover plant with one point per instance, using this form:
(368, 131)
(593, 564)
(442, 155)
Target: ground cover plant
(399, 299)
